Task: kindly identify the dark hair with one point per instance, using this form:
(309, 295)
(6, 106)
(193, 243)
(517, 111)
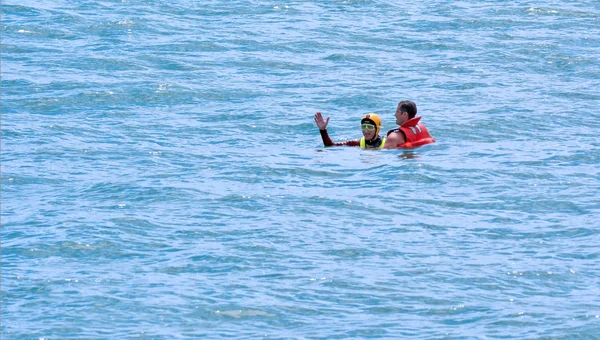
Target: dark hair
(408, 106)
(368, 120)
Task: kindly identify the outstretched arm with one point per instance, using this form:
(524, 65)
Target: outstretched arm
(322, 124)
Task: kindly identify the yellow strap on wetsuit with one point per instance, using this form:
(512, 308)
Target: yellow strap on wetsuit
(363, 143)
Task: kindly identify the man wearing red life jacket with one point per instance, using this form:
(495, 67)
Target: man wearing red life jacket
(411, 132)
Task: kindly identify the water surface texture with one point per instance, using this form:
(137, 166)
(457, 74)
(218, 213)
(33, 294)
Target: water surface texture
(163, 178)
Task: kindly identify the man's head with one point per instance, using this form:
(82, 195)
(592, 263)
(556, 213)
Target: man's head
(406, 110)
(370, 125)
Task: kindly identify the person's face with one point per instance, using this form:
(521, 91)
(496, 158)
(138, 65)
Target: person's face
(401, 117)
(368, 130)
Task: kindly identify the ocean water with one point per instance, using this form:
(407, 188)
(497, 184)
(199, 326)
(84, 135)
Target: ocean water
(163, 178)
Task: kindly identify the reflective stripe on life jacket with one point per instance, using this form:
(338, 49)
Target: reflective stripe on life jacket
(416, 134)
(363, 144)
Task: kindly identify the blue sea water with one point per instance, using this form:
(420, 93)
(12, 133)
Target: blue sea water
(163, 178)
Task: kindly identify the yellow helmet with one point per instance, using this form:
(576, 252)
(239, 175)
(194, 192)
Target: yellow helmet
(372, 118)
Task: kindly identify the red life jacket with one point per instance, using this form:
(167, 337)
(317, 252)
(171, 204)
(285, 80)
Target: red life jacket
(416, 134)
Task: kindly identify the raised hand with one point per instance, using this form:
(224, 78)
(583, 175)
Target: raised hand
(321, 123)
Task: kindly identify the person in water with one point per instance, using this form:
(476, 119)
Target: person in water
(411, 132)
(370, 125)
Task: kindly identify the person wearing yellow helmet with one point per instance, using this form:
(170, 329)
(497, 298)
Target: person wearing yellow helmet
(370, 125)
